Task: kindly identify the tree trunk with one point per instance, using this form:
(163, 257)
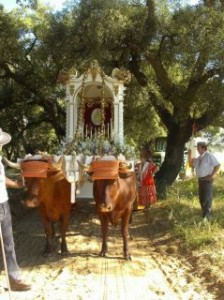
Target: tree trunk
(174, 156)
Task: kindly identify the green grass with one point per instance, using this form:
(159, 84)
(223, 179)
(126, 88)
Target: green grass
(181, 210)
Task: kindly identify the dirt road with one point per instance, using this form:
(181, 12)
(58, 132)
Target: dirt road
(151, 275)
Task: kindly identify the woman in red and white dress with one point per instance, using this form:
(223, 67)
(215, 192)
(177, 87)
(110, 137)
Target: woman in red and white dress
(145, 171)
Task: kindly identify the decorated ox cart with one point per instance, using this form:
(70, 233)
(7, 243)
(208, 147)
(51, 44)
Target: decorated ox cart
(94, 126)
(94, 123)
(94, 135)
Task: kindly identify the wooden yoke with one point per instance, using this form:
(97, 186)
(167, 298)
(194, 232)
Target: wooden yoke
(35, 168)
(109, 169)
(104, 169)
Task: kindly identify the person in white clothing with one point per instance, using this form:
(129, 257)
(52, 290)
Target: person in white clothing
(206, 166)
(16, 283)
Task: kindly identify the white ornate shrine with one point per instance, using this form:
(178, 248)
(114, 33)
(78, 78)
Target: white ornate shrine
(85, 96)
(94, 112)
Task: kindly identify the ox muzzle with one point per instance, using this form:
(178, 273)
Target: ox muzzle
(104, 208)
(31, 202)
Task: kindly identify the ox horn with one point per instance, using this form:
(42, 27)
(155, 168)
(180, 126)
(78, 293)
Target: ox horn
(12, 164)
(58, 164)
(84, 167)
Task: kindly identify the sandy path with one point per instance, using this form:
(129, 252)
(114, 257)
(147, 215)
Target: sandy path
(84, 275)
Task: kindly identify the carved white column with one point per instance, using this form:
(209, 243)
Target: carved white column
(69, 115)
(75, 114)
(121, 122)
(116, 122)
(121, 113)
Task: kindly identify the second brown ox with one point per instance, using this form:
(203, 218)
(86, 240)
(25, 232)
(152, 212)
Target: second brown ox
(114, 191)
(47, 189)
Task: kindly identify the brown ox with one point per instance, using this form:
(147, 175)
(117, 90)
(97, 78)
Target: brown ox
(48, 190)
(114, 192)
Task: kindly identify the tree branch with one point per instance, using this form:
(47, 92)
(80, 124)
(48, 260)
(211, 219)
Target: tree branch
(163, 113)
(196, 82)
(134, 67)
(207, 119)
(167, 86)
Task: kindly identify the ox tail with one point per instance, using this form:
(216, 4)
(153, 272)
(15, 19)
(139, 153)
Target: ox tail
(134, 206)
(135, 202)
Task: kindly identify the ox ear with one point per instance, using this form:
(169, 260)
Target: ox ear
(12, 164)
(129, 167)
(124, 165)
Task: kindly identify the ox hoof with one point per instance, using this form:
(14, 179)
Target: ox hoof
(46, 254)
(65, 253)
(128, 257)
(103, 254)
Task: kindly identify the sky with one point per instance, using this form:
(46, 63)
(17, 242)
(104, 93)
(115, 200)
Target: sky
(10, 4)
(57, 4)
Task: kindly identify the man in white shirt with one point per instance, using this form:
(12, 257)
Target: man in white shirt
(16, 283)
(206, 166)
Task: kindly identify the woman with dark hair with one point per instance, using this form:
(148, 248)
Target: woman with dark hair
(145, 171)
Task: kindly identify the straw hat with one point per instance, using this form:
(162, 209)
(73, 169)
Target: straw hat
(5, 138)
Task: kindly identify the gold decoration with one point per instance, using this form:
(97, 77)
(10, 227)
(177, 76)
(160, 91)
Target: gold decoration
(73, 73)
(94, 69)
(91, 103)
(65, 75)
(122, 75)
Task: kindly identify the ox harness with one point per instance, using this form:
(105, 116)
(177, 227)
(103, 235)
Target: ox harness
(108, 169)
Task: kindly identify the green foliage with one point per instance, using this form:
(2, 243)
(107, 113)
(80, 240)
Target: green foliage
(183, 188)
(183, 213)
(31, 110)
(174, 52)
(137, 109)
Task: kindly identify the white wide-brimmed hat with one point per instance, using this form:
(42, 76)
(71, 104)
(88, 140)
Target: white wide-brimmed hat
(5, 138)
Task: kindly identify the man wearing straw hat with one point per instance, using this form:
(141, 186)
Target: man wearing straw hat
(12, 269)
